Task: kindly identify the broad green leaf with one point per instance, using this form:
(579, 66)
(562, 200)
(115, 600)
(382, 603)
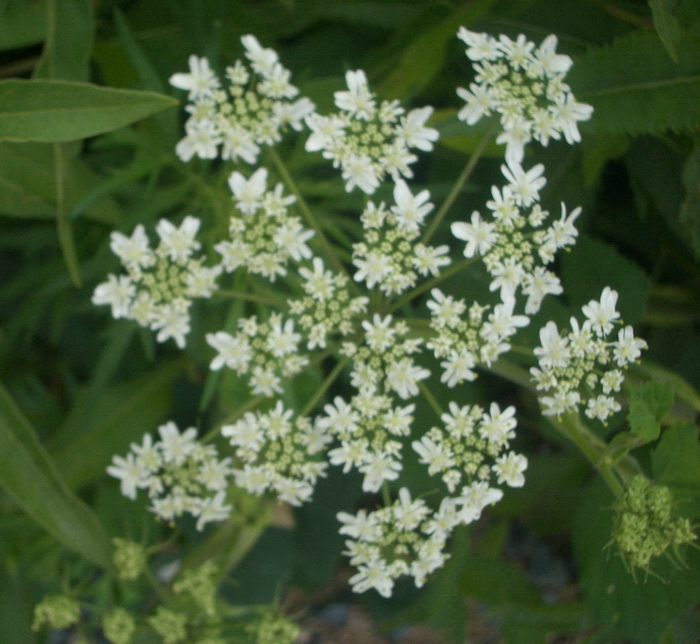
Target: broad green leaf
(539, 624)
(54, 111)
(29, 475)
(423, 59)
(666, 25)
(649, 403)
(682, 389)
(640, 609)
(27, 184)
(22, 23)
(635, 88)
(676, 463)
(19, 595)
(597, 150)
(497, 582)
(69, 41)
(147, 73)
(104, 422)
(591, 266)
(690, 208)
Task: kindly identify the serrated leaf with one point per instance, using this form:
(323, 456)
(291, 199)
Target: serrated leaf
(53, 111)
(30, 477)
(640, 609)
(676, 463)
(592, 265)
(635, 88)
(649, 403)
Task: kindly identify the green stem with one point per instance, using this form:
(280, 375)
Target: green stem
(614, 472)
(459, 184)
(386, 494)
(234, 416)
(321, 239)
(432, 401)
(426, 286)
(155, 584)
(592, 447)
(320, 391)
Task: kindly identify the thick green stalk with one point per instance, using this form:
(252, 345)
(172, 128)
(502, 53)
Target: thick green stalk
(320, 391)
(321, 239)
(614, 472)
(426, 286)
(458, 185)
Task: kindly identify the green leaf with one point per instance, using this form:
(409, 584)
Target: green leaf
(666, 25)
(690, 208)
(676, 463)
(649, 403)
(27, 188)
(640, 609)
(105, 422)
(424, 57)
(22, 23)
(592, 265)
(54, 111)
(635, 88)
(29, 475)
(69, 41)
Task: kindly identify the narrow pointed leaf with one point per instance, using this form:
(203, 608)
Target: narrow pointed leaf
(52, 111)
(29, 475)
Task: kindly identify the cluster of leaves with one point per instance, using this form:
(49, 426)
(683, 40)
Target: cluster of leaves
(78, 388)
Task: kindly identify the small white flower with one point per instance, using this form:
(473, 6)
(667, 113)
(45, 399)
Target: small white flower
(510, 468)
(248, 193)
(358, 100)
(524, 186)
(200, 82)
(479, 235)
(602, 315)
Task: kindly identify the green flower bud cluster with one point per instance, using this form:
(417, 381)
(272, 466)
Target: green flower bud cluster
(118, 626)
(645, 525)
(200, 584)
(129, 558)
(171, 626)
(56, 611)
(274, 629)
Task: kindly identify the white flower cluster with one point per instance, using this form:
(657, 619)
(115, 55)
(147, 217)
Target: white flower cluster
(470, 440)
(264, 237)
(463, 338)
(574, 366)
(252, 112)
(278, 453)
(525, 85)
(407, 538)
(389, 257)
(368, 140)
(160, 285)
(514, 245)
(267, 352)
(367, 427)
(327, 308)
(180, 475)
